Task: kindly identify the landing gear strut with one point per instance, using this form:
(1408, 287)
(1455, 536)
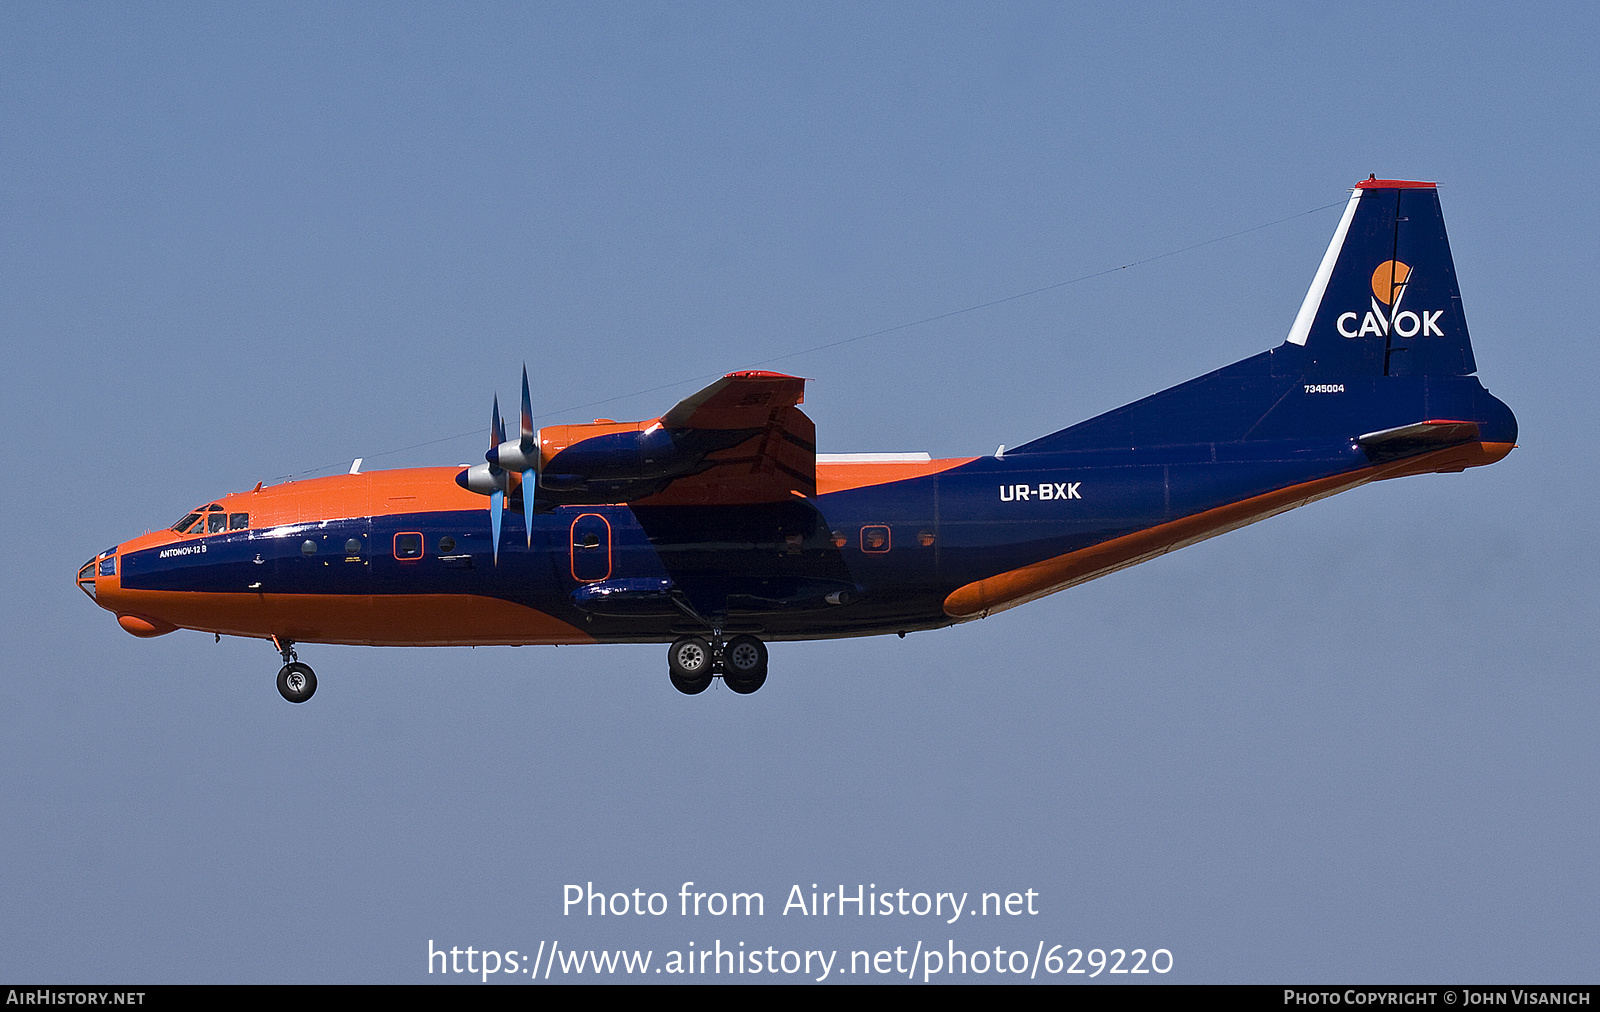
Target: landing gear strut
(296, 681)
(693, 661)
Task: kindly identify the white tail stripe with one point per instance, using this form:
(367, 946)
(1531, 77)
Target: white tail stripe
(1319, 284)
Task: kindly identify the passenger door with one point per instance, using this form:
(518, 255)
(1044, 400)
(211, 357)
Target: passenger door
(590, 548)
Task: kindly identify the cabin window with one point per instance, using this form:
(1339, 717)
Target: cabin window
(839, 540)
(352, 547)
(925, 539)
(309, 547)
(408, 546)
(875, 538)
(447, 544)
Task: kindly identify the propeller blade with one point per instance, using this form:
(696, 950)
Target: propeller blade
(497, 500)
(530, 449)
(529, 483)
(528, 433)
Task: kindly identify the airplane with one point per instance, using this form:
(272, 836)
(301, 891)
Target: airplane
(717, 527)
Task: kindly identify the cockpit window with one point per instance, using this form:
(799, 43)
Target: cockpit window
(212, 519)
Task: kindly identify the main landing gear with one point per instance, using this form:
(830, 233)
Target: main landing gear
(693, 661)
(744, 664)
(296, 681)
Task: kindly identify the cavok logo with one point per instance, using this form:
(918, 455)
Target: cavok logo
(1389, 287)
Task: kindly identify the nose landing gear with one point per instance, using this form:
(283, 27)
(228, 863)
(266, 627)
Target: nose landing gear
(693, 661)
(296, 681)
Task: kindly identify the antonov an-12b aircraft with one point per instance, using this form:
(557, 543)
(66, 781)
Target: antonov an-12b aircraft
(718, 528)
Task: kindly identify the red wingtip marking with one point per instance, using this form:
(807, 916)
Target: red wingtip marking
(1394, 184)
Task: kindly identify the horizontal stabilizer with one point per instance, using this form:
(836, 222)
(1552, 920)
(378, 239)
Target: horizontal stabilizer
(1418, 437)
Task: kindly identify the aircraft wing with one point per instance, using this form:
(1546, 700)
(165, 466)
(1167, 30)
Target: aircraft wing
(739, 400)
(776, 459)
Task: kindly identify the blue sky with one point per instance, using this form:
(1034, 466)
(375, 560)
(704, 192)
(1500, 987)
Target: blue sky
(1355, 742)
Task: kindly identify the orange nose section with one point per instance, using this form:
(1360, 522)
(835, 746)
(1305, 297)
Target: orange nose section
(98, 578)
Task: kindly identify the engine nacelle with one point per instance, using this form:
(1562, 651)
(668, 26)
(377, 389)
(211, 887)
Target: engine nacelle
(601, 461)
(612, 452)
(744, 428)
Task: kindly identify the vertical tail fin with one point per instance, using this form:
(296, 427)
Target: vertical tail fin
(1385, 300)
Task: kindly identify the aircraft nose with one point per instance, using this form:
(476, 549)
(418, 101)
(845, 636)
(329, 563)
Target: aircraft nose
(102, 567)
(86, 575)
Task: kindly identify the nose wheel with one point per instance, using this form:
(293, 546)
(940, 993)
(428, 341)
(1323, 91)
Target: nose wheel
(296, 681)
(693, 661)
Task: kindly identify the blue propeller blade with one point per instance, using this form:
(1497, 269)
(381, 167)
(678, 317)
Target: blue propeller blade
(497, 499)
(529, 482)
(530, 477)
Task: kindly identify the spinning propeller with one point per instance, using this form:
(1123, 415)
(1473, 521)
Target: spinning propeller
(505, 457)
(497, 498)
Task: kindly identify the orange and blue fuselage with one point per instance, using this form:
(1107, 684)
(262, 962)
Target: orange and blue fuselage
(404, 557)
(1374, 382)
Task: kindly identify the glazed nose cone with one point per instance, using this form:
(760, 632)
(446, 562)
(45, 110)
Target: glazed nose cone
(86, 576)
